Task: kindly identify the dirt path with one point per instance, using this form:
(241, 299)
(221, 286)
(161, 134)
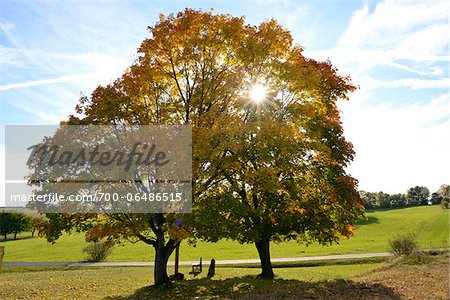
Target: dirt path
(218, 262)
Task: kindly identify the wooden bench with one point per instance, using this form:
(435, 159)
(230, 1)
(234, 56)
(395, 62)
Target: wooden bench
(196, 268)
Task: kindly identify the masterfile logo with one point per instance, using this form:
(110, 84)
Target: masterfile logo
(94, 168)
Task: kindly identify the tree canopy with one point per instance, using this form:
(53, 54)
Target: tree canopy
(12, 222)
(267, 170)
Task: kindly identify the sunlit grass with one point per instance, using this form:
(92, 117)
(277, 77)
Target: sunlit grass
(98, 283)
(429, 223)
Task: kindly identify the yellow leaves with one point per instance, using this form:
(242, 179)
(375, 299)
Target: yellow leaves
(107, 227)
(294, 206)
(299, 210)
(278, 40)
(178, 234)
(196, 68)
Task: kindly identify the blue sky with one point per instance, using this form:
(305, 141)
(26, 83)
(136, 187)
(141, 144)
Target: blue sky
(396, 51)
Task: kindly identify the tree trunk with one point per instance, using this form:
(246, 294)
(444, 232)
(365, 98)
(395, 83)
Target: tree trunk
(162, 254)
(15, 235)
(264, 256)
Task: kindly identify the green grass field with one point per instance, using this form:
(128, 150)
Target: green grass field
(429, 223)
(98, 283)
(343, 279)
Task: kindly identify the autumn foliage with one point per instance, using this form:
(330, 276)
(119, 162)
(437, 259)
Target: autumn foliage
(262, 172)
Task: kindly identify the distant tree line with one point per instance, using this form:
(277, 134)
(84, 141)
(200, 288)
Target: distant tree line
(17, 222)
(415, 196)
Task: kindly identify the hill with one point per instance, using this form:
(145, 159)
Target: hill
(429, 223)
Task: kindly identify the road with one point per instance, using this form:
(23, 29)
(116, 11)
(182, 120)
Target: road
(218, 262)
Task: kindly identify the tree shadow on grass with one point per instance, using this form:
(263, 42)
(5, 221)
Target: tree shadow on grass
(368, 221)
(11, 239)
(311, 263)
(249, 287)
(375, 210)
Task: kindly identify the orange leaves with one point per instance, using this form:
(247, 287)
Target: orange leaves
(235, 166)
(103, 230)
(350, 230)
(295, 206)
(273, 220)
(279, 162)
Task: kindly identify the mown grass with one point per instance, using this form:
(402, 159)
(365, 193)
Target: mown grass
(429, 223)
(134, 282)
(340, 279)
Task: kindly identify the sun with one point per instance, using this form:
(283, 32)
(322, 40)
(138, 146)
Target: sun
(258, 92)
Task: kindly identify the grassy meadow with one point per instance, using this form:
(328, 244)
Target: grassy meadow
(351, 279)
(365, 278)
(429, 223)
(98, 283)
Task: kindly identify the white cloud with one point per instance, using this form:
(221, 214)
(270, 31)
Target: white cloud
(391, 21)
(49, 105)
(397, 144)
(9, 58)
(397, 148)
(395, 32)
(415, 84)
(70, 48)
(60, 79)
(6, 28)
(62, 63)
(431, 71)
(46, 116)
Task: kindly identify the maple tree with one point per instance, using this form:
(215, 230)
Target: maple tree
(282, 165)
(262, 172)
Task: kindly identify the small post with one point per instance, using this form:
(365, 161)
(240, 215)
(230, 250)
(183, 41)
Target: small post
(2, 252)
(212, 269)
(177, 258)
